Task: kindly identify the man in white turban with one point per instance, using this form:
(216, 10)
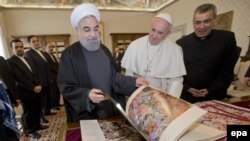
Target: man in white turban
(87, 70)
(157, 58)
(84, 10)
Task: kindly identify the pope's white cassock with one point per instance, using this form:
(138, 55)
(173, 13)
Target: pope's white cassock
(162, 65)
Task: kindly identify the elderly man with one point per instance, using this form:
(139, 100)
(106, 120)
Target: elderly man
(87, 70)
(156, 57)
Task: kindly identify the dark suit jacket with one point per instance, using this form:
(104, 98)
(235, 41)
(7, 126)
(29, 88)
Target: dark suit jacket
(25, 78)
(248, 72)
(7, 77)
(53, 65)
(209, 64)
(41, 65)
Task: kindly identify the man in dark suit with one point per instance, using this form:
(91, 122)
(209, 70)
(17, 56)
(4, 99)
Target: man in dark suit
(9, 95)
(29, 87)
(54, 66)
(247, 77)
(209, 56)
(42, 66)
(6, 77)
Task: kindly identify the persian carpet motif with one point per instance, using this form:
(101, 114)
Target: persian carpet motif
(221, 114)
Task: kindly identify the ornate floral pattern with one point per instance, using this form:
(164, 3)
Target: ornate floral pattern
(152, 111)
(221, 114)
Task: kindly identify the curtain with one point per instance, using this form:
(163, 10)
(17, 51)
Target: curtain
(3, 45)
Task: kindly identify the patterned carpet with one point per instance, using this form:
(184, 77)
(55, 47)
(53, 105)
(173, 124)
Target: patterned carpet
(221, 114)
(52, 133)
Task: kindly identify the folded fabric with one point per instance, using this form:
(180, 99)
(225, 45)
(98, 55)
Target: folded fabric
(9, 115)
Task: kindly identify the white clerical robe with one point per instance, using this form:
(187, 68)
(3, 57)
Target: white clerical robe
(162, 65)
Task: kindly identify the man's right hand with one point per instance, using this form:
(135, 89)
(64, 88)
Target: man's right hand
(198, 93)
(141, 81)
(193, 91)
(96, 96)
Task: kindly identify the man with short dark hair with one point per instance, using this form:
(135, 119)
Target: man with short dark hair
(209, 56)
(29, 87)
(38, 59)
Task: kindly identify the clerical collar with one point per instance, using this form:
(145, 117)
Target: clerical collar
(203, 38)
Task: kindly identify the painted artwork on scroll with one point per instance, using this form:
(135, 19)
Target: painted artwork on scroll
(152, 111)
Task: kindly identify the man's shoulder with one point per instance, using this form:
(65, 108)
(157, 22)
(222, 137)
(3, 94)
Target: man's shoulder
(141, 39)
(11, 58)
(46, 54)
(185, 38)
(30, 51)
(72, 47)
(1, 58)
(223, 32)
(138, 43)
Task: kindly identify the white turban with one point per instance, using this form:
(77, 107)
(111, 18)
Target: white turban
(166, 17)
(84, 10)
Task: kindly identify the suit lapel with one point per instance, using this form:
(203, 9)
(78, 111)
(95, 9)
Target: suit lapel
(22, 64)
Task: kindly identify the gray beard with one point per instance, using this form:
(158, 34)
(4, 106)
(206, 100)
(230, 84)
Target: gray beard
(92, 45)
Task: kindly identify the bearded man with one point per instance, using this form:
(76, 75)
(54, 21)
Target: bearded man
(87, 69)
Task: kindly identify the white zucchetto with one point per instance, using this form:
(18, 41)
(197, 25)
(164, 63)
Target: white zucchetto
(84, 10)
(166, 17)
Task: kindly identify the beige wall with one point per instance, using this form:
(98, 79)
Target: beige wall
(1, 18)
(4, 51)
(125, 22)
(51, 21)
(182, 13)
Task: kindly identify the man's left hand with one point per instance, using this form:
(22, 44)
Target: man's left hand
(201, 93)
(247, 81)
(141, 81)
